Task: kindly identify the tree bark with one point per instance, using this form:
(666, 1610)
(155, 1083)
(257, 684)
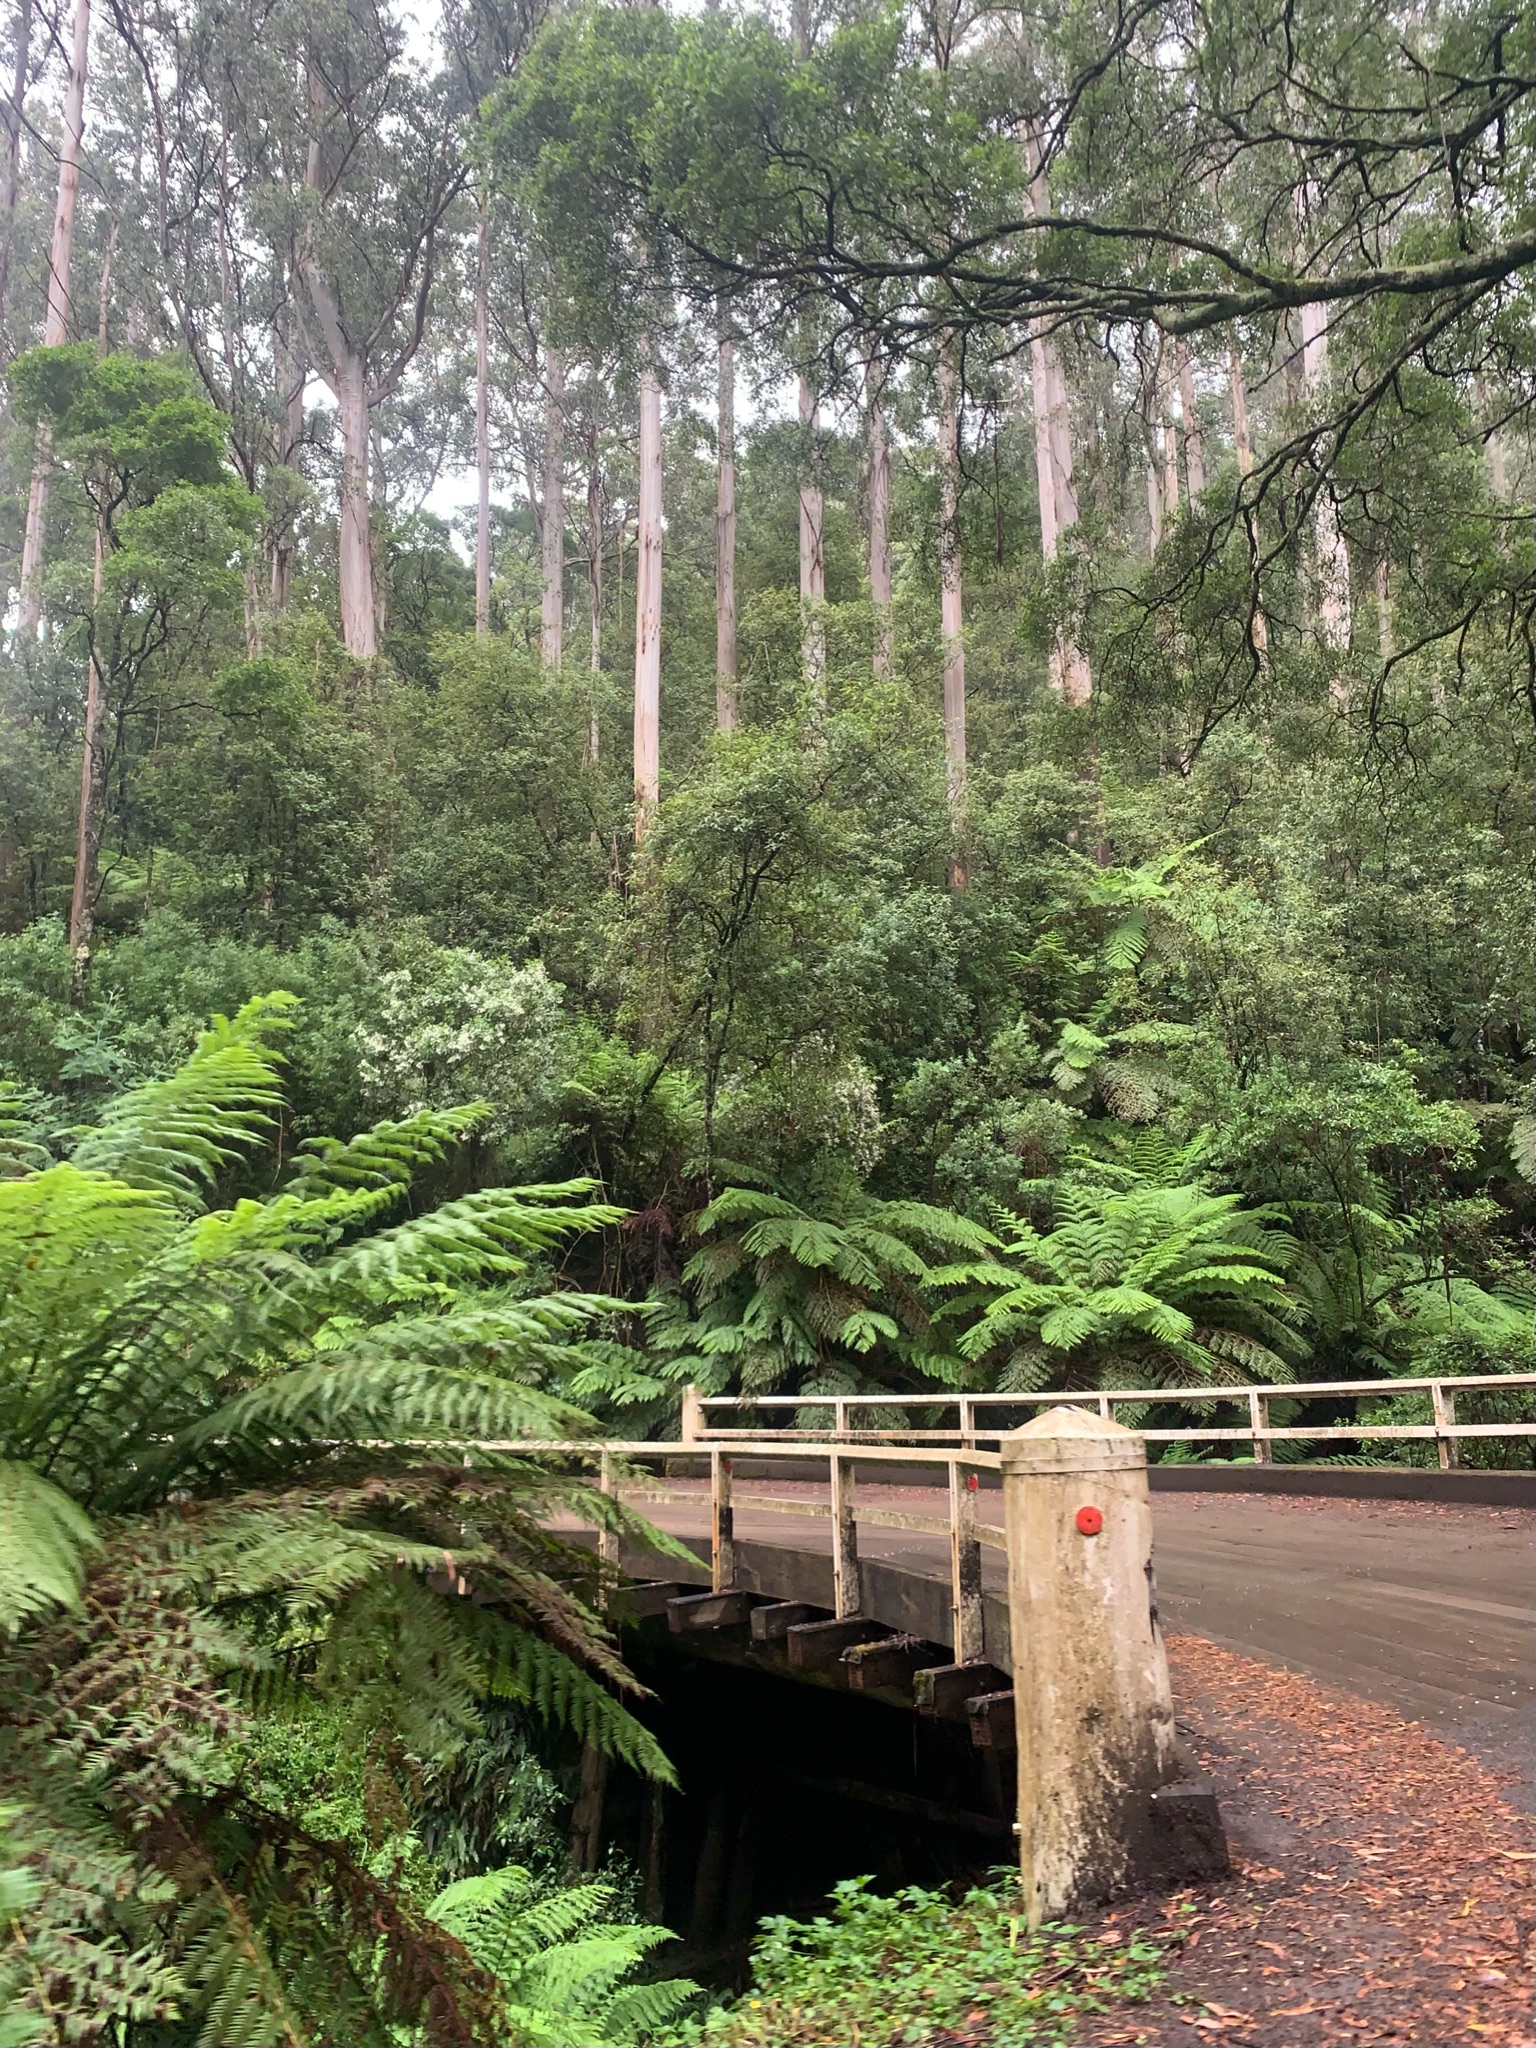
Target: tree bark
(878, 441)
(1241, 439)
(359, 624)
(56, 319)
(1194, 434)
(552, 576)
(648, 609)
(93, 786)
(14, 108)
(1242, 443)
(290, 396)
(952, 604)
(594, 586)
(813, 566)
(1332, 551)
(725, 532)
(482, 424)
(1045, 469)
(1069, 671)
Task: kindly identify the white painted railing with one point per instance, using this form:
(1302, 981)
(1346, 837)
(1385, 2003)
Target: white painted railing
(703, 1414)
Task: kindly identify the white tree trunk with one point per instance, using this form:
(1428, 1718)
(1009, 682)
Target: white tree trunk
(552, 576)
(56, 318)
(813, 565)
(648, 609)
(482, 424)
(359, 621)
(725, 532)
(1045, 468)
(15, 108)
(1194, 434)
(1069, 671)
(1242, 441)
(93, 785)
(290, 376)
(1168, 441)
(1332, 552)
(952, 614)
(879, 455)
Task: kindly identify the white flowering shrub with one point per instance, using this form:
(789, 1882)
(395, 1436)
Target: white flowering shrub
(451, 1026)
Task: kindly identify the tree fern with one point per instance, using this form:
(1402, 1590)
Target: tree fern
(173, 1135)
(563, 1967)
(45, 1541)
(1152, 1283)
(824, 1296)
(263, 1410)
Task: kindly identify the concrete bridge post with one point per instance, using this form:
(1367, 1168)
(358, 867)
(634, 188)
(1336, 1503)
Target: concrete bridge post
(1093, 1708)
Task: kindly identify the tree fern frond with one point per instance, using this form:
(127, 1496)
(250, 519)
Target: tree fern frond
(44, 1542)
(173, 1135)
(526, 1668)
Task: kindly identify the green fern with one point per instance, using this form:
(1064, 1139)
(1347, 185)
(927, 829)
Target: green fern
(45, 1540)
(828, 1298)
(562, 1965)
(263, 1409)
(1153, 1283)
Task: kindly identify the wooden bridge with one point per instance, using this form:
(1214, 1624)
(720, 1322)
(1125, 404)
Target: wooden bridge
(874, 1560)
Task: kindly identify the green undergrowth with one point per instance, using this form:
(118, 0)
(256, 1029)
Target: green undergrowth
(918, 1966)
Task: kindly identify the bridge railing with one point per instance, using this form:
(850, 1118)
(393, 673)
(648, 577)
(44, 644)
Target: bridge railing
(705, 1417)
(824, 1463)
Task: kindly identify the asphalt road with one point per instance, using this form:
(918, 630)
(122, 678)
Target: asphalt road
(1428, 1609)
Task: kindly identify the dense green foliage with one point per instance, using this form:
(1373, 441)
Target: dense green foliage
(232, 1496)
(920, 1966)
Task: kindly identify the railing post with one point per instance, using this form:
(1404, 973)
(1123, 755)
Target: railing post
(1445, 1418)
(964, 1567)
(1105, 1408)
(845, 1539)
(1258, 1416)
(607, 1539)
(840, 1421)
(967, 1424)
(1092, 1704)
(722, 1541)
(692, 1425)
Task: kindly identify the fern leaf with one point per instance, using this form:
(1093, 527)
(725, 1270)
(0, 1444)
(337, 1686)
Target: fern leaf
(44, 1542)
(173, 1135)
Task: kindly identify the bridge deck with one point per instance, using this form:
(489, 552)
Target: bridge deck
(1427, 1609)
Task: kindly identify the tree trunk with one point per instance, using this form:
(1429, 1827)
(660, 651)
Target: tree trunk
(952, 614)
(725, 532)
(1242, 443)
(587, 1813)
(594, 586)
(1170, 447)
(10, 189)
(290, 398)
(552, 577)
(1045, 469)
(482, 424)
(1194, 433)
(648, 609)
(1332, 552)
(813, 567)
(1241, 440)
(56, 319)
(1069, 671)
(359, 625)
(93, 787)
(879, 453)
